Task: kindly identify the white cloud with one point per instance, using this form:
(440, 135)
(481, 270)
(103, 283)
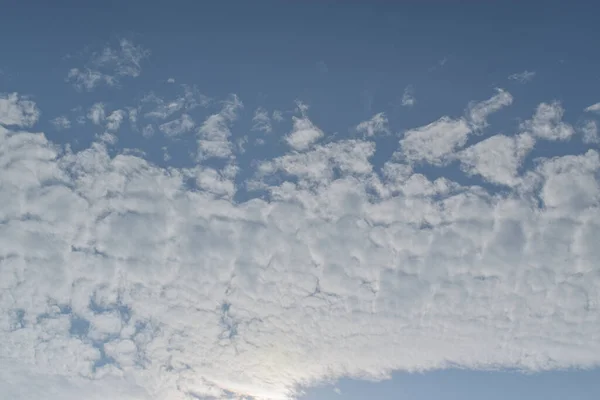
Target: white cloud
(376, 125)
(304, 133)
(478, 112)
(277, 116)
(593, 108)
(114, 120)
(61, 122)
(408, 98)
(109, 66)
(171, 80)
(148, 131)
(522, 77)
(262, 121)
(213, 135)
(434, 142)
(590, 132)
(178, 126)
(547, 123)
(18, 111)
(97, 114)
(121, 279)
(188, 101)
(498, 158)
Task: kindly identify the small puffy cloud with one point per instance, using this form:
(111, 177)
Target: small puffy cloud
(171, 80)
(214, 133)
(277, 116)
(522, 77)
(109, 66)
(434, 142)
(261, 121)
(378, 124)
(190, 99)
(303, 135)
(148, 131)
(593, 108)
(61, 122)
(498, 158)
(17, 111)
(478, 112)
(590, 132)
(114, 120)
(178, 126)
(547, 123)
(97, 114)
(408, 98)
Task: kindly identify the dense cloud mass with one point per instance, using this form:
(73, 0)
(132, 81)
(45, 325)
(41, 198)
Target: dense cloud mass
(121, 279)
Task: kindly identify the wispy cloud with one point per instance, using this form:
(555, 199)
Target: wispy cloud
(408, 98)
(108, 66)
(593, 108)
(522, 77)
(61, 122)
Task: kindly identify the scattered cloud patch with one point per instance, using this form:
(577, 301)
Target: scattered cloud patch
(498, 158)
(108, 66)
(304, 133)
(522, 77)
(593, 108)
(478, 112)
(547, 123)
(433, 143)
(114, 120)
(590, 132)
(213, 135)
(97, 113)
(16, 110)
(61, 122)
(262, 121)
(408, 98)
(378, 124)
(178, 126)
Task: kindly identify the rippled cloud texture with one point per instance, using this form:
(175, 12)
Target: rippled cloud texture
(120, 278)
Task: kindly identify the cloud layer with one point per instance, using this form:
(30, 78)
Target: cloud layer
(123, 279)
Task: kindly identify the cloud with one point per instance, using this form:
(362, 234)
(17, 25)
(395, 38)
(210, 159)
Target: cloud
(434, 142)
(17, 111)
(498, 158)
(61, 122)
(408, 98)
(114, 120)
(522, 77)
(178, 126)
(214, 133)
(109, 66)
(593, 108)
(262, 121)
(547, 123)
(478, 112)
(304, 133)
(97, 114)
(376, 125)
(188, 101)
(122, 279)
(590, 132)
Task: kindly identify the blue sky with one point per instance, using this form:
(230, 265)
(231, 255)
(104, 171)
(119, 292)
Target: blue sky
(289, 200)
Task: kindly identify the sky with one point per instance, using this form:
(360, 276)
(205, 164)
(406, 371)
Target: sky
(289, 200)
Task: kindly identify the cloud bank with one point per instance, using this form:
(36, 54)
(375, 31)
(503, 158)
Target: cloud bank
(122, 279)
